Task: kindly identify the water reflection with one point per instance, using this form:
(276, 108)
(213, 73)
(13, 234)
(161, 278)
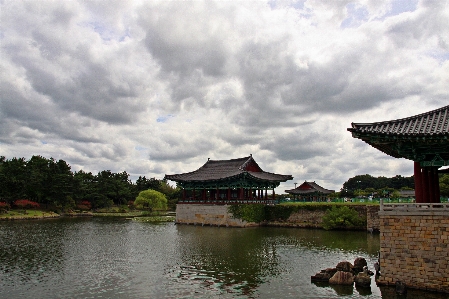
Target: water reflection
(93, 258)
(240, 260)
(28, 254)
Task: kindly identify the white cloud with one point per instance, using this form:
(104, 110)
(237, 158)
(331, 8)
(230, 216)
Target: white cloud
(158, 87)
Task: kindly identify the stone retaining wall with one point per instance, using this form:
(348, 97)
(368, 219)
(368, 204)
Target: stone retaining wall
(202, 214)
(415, 248)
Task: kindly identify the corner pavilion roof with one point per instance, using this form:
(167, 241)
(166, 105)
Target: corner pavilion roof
(423, 138)
(214, 170)
(308, 188)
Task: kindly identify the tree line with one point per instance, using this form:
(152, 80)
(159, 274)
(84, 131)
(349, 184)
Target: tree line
(51, 183)
(364, 185)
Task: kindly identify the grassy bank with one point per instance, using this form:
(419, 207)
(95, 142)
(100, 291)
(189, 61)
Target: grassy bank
(27, 214)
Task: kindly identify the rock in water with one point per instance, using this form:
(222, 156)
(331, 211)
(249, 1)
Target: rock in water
(363, 279)
(342, 277)
(344, 266)
(359, 263)
(324, 275)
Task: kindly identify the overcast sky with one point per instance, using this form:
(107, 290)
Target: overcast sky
(158, 87)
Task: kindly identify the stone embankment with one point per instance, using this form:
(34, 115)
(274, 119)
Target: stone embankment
(414, 246)
(218, 215)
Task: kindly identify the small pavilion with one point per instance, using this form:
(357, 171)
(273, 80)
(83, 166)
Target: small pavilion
(310, 191)
(232, 181)
(422, 138)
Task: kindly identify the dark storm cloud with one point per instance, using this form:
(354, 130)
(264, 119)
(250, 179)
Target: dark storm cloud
(93, 82)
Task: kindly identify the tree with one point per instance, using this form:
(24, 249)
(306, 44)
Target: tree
(142, 183)
(444, 185)
(151, 199)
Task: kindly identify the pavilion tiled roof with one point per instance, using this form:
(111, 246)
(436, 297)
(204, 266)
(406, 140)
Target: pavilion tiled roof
(214, 170)
(435, 122)
(421, 138)
(309, 187)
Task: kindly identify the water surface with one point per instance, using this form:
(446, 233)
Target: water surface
(104, 258)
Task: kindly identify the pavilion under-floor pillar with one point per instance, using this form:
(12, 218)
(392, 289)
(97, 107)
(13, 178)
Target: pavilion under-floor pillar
(418, 182)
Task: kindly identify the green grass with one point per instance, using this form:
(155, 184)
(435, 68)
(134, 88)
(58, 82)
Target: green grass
(155, 219)
(25, 214)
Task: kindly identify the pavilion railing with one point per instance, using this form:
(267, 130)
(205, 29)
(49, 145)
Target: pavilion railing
(228, 201)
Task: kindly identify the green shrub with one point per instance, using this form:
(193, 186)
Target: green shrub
(342, 217)
(248, 212)
(151, 199)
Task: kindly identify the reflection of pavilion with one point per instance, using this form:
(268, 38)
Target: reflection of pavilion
(310, 191)
(423, 138)
(227, 182)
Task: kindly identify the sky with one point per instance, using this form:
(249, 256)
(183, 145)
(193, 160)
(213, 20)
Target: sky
(158, 87)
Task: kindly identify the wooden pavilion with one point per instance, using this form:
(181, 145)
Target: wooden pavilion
(228, 182)
(422, 138)
(310, 191)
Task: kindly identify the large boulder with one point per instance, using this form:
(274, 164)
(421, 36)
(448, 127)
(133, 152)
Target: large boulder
(342, 277)
(359, 263)
(324, 275)
(363, 279)
(344, 266)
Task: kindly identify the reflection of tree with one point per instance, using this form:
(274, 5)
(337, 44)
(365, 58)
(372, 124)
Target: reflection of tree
(239, 260)
(233, 260)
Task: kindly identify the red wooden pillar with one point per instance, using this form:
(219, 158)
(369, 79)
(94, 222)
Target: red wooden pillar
(425, 184)
(437, 186)
(229, 194)
(183, 194)
(273, 195)
(193, 194)
(250, 193)
(418, 182)
(430, 190)
(241, 193)
(266, 193)
(203, 194)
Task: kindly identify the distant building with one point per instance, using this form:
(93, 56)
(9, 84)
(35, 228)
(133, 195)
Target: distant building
(222, 182)
(407, 193)
(310, 191)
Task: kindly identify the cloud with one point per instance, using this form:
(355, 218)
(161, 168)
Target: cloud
(158, 87)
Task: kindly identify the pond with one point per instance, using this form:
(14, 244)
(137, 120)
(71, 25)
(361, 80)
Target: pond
(115, 258)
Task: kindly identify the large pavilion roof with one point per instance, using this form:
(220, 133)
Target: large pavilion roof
(216, 170)
(309, 188)
(423, 138)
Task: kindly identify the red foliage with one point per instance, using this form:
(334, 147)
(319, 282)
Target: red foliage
(26, 204)
(84, 205)
(4, 205)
